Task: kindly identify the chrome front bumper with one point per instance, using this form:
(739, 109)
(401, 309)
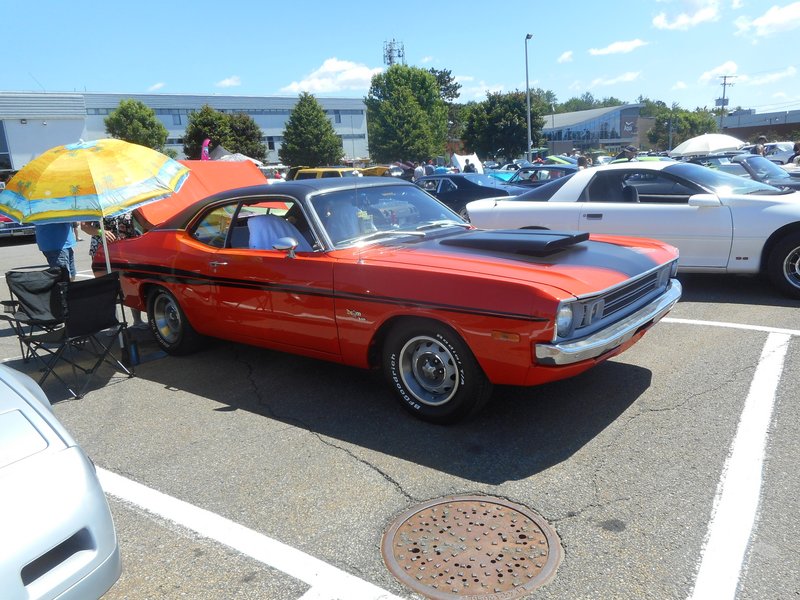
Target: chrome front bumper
(611, 337)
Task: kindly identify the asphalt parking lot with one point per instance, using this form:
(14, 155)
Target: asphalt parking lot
(667, 472)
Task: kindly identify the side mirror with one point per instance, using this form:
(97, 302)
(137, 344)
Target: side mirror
(287, 244)
(704, 200)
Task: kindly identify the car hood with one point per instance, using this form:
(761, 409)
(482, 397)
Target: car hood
(566, 261)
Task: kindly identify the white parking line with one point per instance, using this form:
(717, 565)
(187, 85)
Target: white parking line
(327, 582)
(732, 326)
(735, 508)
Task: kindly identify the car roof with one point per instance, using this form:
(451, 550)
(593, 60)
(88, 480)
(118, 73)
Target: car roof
(296, 188)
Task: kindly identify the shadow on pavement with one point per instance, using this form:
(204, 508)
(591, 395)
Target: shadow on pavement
(521, 431)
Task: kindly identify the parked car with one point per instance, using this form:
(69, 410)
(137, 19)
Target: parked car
(10, 228)
(721, 223)
(58, 538)
(376, 273)
(779, 152)
(456, 189)
(538, 174)
(753, 166)
(322, 172)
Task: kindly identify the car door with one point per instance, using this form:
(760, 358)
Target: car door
(703, 234)
(266, 296)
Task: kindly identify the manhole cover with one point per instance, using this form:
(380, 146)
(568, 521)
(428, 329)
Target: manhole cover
(471, 546)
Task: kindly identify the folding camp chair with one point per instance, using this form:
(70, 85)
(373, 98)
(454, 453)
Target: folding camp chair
(38, 301)
(90, 329)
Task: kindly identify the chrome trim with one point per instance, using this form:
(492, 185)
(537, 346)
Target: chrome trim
(612, 336)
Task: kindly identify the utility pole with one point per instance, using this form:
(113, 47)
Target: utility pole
(722, 102)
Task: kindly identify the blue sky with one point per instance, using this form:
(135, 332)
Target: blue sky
(670, 50)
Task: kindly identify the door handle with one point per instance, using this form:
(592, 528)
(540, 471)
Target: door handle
(594, 216)
(216, 264)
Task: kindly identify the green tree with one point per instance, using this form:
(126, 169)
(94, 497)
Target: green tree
(675, 123)
(245, 137)
(406, 116)
(498, 126)
(309, 138)
(448, 86)
(135, 122)
(205, 123)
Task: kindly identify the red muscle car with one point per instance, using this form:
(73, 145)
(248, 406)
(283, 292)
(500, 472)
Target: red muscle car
(374, 272)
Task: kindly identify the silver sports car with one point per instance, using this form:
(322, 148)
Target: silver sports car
(57, 539)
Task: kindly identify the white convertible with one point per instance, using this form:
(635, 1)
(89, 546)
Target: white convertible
(720, 223)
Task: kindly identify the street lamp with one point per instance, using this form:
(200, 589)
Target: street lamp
(528, 95)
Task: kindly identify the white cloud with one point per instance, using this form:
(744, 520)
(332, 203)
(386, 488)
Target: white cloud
(232, 81)
(737, 4)
(771, 77)
(156, 86)
(426, 59)
(335, 76)
(565, 57)
(726, 68)
(618, 48)
(624, 78)
(708, 10)
(575, 86)
(472, 90)
(780, 95)
(679, 85)
(777, 19)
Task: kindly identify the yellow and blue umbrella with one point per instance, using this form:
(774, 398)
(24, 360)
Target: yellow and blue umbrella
(88, 181)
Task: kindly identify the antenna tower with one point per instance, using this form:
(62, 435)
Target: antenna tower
(393, 52)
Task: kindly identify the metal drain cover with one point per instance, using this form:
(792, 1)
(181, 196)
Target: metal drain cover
(471, 546)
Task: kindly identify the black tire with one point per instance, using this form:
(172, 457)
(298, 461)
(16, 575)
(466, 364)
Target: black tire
(783, 265)
(433, 373)
(169, 324)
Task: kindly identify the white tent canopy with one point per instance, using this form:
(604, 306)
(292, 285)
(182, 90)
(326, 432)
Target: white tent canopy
(459, 160)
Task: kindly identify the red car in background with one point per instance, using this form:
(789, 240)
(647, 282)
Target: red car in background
(375, 273)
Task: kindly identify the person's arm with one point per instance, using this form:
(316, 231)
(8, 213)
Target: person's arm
(93, 229)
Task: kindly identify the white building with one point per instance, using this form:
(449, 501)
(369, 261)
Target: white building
(32, 122)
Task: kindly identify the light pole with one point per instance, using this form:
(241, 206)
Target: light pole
(528, 96)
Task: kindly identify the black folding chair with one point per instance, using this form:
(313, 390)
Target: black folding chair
(90, 329)
(38, 302)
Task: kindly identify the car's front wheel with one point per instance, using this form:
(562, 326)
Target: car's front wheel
(783, 265)
(169, 324)
(433, 373)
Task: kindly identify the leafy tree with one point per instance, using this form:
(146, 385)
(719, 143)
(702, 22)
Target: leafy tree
(448, 86)
(309, 138)
(406, 116)
(205, 123)
(498, 126)
(135, 122)
(682, 123)
(245, 137)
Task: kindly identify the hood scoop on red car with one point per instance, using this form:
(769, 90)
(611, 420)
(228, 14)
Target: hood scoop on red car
(534, 242)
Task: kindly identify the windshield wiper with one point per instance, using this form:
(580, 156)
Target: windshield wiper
(442, 223)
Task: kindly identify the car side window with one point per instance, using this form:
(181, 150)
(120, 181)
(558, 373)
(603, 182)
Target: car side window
(429, 185)
(605, 187)
(447, 186)
(213, 228)
(658, 188)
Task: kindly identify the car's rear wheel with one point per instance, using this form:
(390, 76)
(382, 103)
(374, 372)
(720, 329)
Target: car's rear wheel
(783, 265)
(433, 373)
(169, 324)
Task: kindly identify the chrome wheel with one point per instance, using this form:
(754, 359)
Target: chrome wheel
(791, 267)
(428, 370)
(167, 319)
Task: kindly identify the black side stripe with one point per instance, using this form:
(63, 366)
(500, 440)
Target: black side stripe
(177, 276)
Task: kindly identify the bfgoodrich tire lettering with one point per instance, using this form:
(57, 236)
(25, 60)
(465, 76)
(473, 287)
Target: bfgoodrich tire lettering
(169, 323)
(783, 265)
(433, 373)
